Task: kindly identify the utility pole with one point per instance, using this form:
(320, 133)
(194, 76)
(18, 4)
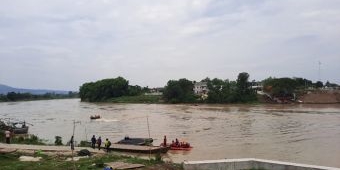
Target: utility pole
(319, 79)
(147, 120)
(72, 142)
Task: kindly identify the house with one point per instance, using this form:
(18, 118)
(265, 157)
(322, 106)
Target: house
(201, 88)
(155, 91)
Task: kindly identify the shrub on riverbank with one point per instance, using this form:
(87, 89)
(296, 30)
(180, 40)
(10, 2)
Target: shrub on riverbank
(23, 139)
(27, 139)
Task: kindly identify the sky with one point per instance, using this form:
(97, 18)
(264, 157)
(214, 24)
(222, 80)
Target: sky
(61, 44)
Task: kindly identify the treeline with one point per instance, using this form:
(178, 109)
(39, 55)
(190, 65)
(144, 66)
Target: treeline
(182, 91)
(105, 89)
(219, 91)
(13, 96)
(288, 87)
(176, 91)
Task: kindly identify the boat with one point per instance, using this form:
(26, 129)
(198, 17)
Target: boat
(139, 148)
(135, 141)
(20, 130)
(15, 127)
(95, 117)
(183, 146)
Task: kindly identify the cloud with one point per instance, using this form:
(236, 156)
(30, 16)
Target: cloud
(62, 44)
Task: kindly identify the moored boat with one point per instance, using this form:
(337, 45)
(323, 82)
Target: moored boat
(139, 148)
(20, 130)
(15, 127)
(135, 141)
(95, 117)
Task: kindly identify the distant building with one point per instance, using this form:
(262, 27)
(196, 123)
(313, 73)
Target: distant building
(155, 91)
(201, 88)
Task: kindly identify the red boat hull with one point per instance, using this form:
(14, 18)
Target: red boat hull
(180, 148)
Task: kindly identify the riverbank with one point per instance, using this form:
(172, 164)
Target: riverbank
(321, 97)
(58, 157)
(152, 99)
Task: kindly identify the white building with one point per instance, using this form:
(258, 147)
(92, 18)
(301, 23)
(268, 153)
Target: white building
(201, 88)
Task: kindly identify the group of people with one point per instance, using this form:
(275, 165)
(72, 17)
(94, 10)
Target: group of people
(98, 141)
(176, 143)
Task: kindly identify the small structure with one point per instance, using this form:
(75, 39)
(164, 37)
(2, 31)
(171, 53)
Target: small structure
(201, 89)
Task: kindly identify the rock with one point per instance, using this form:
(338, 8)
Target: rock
(29, 159)
(76, 158)
(84, 152)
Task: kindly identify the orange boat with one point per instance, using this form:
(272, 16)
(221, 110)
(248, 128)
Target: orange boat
(182, 146)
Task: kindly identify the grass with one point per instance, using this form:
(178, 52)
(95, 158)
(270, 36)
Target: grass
(11, 162)
(137, 99)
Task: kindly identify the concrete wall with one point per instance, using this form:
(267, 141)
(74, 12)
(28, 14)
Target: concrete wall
(249, 163)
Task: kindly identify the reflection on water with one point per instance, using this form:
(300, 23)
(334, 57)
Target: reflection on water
(296, 133)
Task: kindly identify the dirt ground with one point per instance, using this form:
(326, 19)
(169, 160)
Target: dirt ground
(321, 97)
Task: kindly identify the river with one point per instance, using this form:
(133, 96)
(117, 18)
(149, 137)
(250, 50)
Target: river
(295, 133)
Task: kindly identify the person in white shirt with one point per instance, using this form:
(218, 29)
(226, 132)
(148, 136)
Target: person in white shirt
(8, 136)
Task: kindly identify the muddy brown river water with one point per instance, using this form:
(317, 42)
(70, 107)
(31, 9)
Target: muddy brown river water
(295, 133)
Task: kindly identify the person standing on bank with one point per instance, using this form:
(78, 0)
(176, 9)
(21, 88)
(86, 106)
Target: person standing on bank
(164, 141)
(99, 142)
(93, 142)
(8, 136)
(107, 144)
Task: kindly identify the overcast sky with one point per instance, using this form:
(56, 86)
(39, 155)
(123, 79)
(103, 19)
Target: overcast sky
(61, 44)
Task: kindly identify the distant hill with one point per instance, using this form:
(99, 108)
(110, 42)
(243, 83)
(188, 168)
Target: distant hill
(4, 89)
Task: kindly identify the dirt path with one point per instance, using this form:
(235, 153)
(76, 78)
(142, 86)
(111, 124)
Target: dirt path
(62, 150)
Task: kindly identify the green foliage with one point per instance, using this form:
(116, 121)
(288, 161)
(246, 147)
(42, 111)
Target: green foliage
(179, 91)
(220, 91)
(99, 163)
(84, 143)
(30, 139)
(13, 96)
(158, 157)
(280, 87)
(11, 162)
(318, 84)
(244, 93)
(58, 140)
(105, 89)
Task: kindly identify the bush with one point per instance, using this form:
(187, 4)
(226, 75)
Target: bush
(58, 141)
(158, 157)
(99, 163)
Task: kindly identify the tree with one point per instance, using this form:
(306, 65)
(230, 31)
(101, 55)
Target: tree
(219, 91)
(178, 91)
(280, 87)
(244, 93)
(104, 89)
(318, 84)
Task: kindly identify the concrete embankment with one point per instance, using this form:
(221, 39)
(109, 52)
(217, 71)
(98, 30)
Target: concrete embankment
(249, 163)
